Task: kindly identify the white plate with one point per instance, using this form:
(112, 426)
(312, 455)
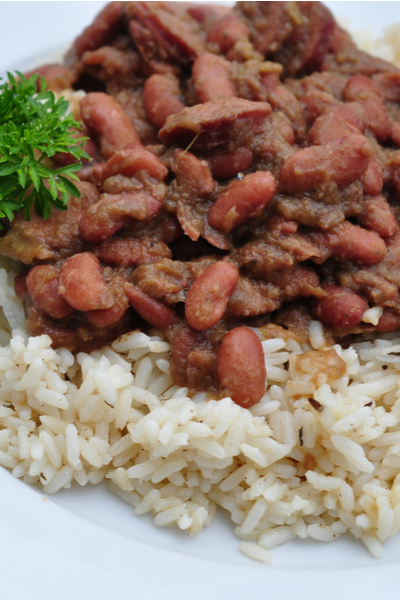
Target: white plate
(86, 544)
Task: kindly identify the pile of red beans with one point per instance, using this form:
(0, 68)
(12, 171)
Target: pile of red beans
(245, 173)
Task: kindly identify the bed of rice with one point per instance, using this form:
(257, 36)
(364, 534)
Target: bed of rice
(286, 468)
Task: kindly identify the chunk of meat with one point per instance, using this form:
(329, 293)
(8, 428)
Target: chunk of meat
(324, 366)
(353, 61)
(308, 43)
(82, 283)
(108, 123)
(163, 36)
(111, 64)
(164, 280)
(242, 200)
(42, 286)
(126, 252)
(269, 23)
(162, 98)
(115, 212)
(214, 123)
(253, 297)
(301, 283)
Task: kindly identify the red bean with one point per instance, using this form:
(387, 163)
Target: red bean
(152, 311)
(226, 31)
(161, 98)
(365, 91)
(282, 124)
(389, 321)
(130, 161)
(282, 99)
(102, 29)
(395, 133)
(211, 77)
(42, 285)
(341, 308)
(242, 200)
(114, 212)
(241, 367)
(63, 158)
(204, 13)
(183, 344)
(372, 178)
(107, 121)
(193, 173)
(209, 295)
(377, 215)
(337, 122)
(351, 242)
(316, 101)
(342, 161)
(82, 283)
(225, 165)
(106, 317)
(389, 85)
(58, 77)
(20, 285)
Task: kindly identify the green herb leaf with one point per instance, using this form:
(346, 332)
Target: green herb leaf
(34, 125)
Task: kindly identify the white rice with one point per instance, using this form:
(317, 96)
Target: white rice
(289, 467)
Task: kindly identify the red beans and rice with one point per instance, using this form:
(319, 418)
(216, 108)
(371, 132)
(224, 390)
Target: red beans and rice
(243, 190)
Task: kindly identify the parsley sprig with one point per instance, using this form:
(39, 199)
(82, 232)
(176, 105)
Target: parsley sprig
(34, 125)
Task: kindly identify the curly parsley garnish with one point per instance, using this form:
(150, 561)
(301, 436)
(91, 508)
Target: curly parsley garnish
(34, 125)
